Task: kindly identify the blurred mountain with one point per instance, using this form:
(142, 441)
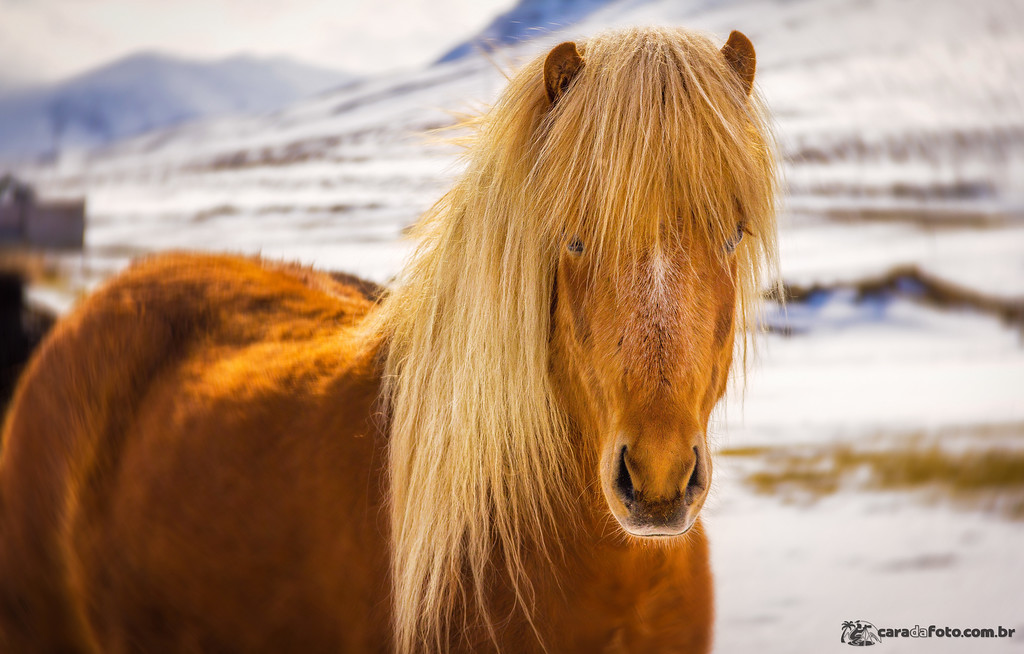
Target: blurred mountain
(148, 91)
(528, 19)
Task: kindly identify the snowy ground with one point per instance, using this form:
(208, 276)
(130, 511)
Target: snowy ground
(901, 125)
(788, 575)
(885, 376)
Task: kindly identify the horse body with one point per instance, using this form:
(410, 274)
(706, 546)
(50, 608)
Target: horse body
(176, 436)
(506, 452)
(239, 506)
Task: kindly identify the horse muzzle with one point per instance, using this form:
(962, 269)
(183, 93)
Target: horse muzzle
(659, 494)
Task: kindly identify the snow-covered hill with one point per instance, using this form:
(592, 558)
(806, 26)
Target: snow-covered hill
(145, 92)
(898, 116)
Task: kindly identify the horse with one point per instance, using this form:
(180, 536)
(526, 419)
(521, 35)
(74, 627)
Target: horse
(505, 450)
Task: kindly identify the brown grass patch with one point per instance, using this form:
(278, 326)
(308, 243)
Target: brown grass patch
(992, 478)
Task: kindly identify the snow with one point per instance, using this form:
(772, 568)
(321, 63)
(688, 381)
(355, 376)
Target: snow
(901, 127)
(990, 260)
(880, 365)
(787, 576)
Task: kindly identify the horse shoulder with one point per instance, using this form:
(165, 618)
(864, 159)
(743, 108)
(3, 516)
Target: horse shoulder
(102, 401)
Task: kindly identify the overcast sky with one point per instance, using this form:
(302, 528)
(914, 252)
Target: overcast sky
(44, 40)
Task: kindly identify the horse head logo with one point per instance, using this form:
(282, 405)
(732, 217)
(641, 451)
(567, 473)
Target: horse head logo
(860, 633)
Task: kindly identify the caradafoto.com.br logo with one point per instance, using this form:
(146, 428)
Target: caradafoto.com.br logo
(861, 633)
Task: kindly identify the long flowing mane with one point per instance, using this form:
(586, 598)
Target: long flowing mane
(655, 128)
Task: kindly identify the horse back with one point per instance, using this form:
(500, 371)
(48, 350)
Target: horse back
(187, 458)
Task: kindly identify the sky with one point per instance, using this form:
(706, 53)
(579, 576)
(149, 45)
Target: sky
(47, 40)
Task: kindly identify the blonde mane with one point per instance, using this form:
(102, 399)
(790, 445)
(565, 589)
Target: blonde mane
(655, 128)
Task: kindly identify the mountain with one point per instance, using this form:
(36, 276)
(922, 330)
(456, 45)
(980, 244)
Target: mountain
(148, 91)
(528, 19)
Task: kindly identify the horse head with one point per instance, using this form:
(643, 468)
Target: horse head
(643, 341)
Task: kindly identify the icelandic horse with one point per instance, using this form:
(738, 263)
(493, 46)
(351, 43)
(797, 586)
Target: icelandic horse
(505, 451)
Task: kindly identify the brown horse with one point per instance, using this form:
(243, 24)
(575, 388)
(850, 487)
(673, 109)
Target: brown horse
(506, 451)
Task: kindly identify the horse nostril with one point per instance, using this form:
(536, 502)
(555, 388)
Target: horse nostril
(623, 482)
(698, 481)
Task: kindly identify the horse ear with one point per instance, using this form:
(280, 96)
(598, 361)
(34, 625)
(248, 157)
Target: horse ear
(739, 52)
(560, 68)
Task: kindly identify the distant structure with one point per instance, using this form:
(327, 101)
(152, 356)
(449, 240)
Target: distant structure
(27, 222)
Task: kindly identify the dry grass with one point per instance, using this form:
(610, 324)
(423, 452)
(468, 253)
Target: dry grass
(989, 478)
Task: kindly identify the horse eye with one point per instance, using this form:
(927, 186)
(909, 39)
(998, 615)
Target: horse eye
(731, 244)
(575, 246)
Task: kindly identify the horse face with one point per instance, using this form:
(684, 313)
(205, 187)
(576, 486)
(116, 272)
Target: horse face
(644, 352)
